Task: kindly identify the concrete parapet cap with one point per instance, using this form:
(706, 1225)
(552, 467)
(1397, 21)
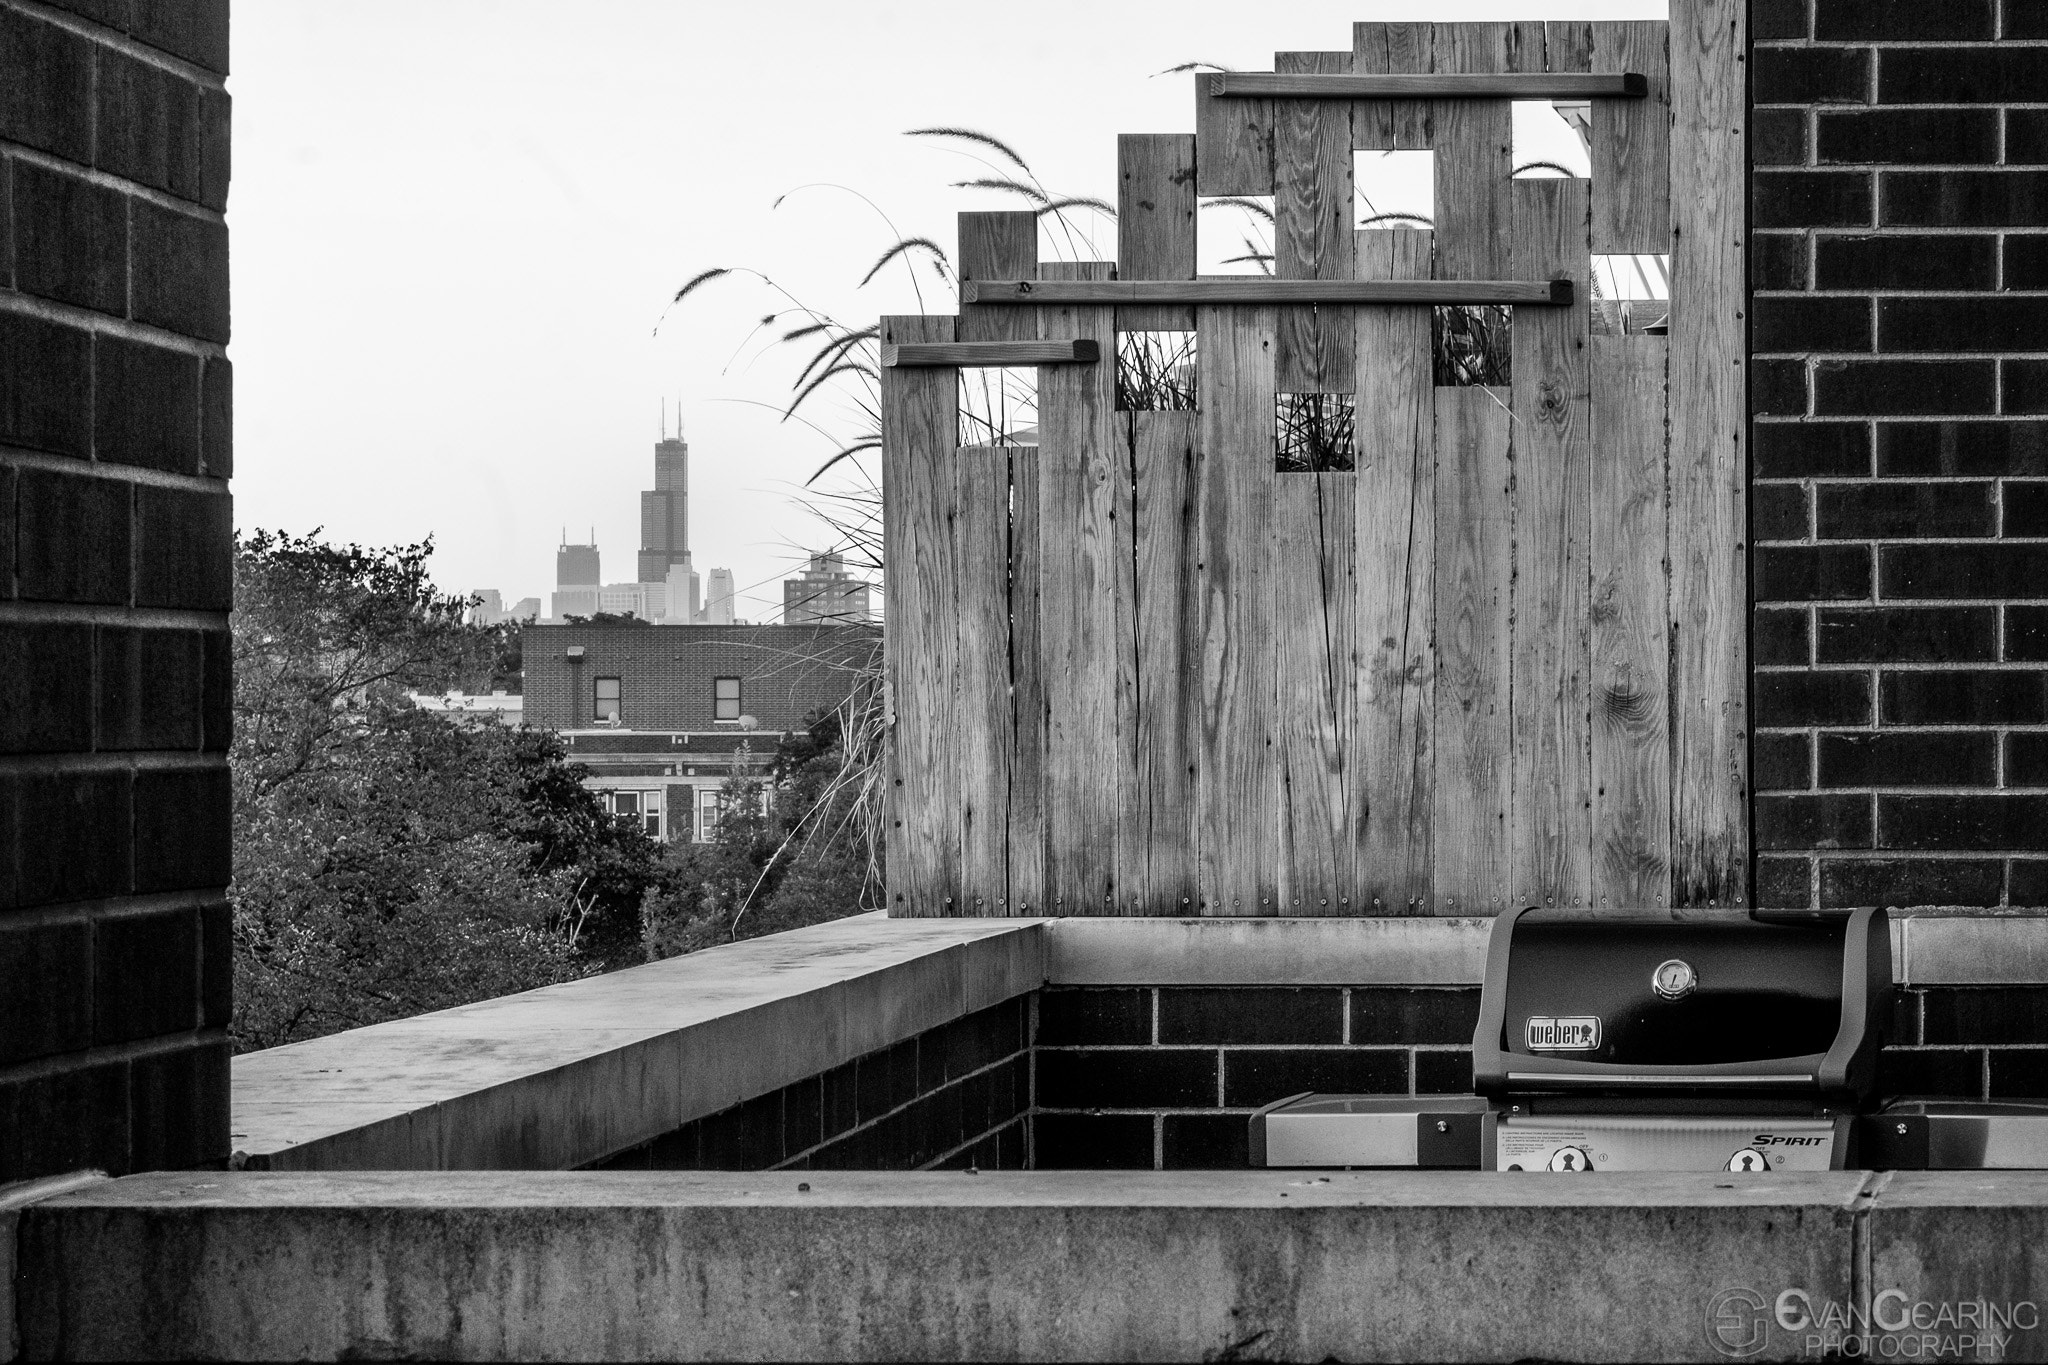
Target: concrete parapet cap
(1414, 951)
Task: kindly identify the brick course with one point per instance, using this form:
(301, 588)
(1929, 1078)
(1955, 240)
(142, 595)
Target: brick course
(115, 582)
(1901, 225)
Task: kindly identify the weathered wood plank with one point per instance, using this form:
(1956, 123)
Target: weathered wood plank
(1233, 143)
(1314, 626)
(1259, 290)
(996, 246)
(1631, 144)
(1473, 785)
(1237, 787)
(1551, 827)
(1027, 693)
(1631, 744)
(1392, 770)
(1169, 672)
(983, 354)
(1411, 51)
(981, 711)
(1313, 226)
(1709, 532)
(1473, 141)
(920, 428)
(1372, 121)
(1078, 645)
(1155, 222)
(1282, 87)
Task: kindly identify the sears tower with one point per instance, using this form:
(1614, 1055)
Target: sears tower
(665, 512)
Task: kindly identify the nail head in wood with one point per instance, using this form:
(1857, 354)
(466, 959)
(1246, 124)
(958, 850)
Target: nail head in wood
(983, 354)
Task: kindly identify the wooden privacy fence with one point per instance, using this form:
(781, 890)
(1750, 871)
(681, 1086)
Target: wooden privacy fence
(1137, 668)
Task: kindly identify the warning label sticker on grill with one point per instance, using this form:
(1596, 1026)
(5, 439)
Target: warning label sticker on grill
(1572, 1033)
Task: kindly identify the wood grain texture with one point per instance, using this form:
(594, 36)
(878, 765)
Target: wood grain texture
(1027, 692)
(1259, 290)
(981, 702)
(1168, 740)
(1283, 88)
(1473, 786)
(1312, 235)
(1631, 148)
(1079, 649)
(996, 246)
(987, 354)
(1315, 631)
(1155, 222)
(1709, 531)
(1552, 830)
(1473, 141)
(1568, 51)
(1238, 780)
(1392, 772)
(1631, 743)
(920, 421)
(1233, 143)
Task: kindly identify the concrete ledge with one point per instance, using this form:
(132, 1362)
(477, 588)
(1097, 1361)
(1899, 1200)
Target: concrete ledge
(560, 1077)
(1409, 1266)
(1420, 951)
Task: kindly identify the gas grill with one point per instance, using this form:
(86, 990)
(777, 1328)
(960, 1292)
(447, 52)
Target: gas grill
(1645, 1044)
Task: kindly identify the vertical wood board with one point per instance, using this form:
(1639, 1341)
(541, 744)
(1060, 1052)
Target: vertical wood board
(1473, 789)
(1392, 769)
(1169, 659)
(1233, 143)
(1238, 783)
(1027, 692)
(1553, 460)
(1313, 226)
(1314, 618)
(997, 246)
(920, 421)
(1631, 744)
(1155, 222)
(1709, 530)
(1473, 141)
(981, 716)
(1078, 643)
(1631, 148)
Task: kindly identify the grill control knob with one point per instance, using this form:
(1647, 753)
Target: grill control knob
(1571, 1159)
(1748, 1159)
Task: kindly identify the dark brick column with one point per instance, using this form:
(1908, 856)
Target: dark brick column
(115, 578)
(1898, 207)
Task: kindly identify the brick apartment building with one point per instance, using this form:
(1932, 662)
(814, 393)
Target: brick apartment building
(663, 715)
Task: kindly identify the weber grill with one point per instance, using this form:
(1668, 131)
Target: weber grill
(1666, 1045)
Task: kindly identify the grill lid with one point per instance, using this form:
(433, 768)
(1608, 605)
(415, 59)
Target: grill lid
(1639, 1005)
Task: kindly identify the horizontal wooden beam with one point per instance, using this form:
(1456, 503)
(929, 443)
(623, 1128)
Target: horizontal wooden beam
(1529, 85)
(972, 354)
(1259, 289)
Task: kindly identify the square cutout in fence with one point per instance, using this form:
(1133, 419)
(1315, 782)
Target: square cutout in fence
(1155, 371)
(1394, 189)
(999, 407)
(1234, 235)
(1314, 432)
(1552, 139)
(1470, 344)
(1631, 295)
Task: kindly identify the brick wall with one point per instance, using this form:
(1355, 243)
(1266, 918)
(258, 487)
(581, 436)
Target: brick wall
(1899, 196)
(115, 576)
(954, 1097)
(666, 672)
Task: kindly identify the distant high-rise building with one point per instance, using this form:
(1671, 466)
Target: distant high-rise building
(490, 609)
(718, 598)
(825, 594)
(576, 580)
(665, 512)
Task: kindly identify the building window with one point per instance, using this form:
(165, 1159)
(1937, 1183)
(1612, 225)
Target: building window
(640, 807)
(725, 698)
(606, 706)
(710, 805)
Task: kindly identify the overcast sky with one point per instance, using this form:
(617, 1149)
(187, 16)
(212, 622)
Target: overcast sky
(456, 222)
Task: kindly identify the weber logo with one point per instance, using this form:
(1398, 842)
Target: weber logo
(1579, 1033)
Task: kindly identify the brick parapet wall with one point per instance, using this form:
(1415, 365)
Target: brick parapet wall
(115, 582)
(1899, 331)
